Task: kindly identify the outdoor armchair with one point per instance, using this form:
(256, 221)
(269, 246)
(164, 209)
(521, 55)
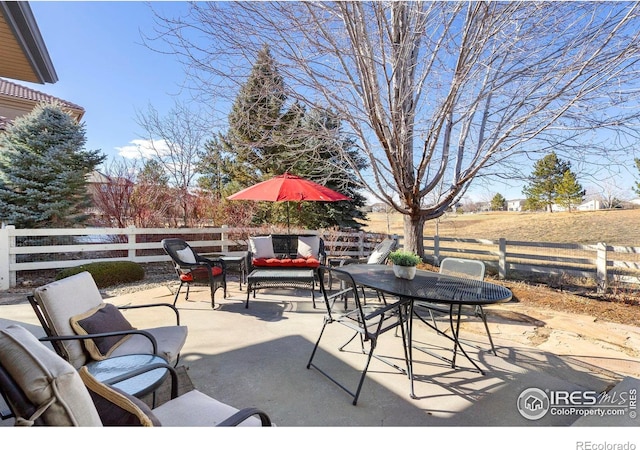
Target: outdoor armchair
(367, 322)
(82, 327)
(42, 389)
(193, 268)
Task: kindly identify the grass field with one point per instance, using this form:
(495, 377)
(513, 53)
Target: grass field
(613, 227)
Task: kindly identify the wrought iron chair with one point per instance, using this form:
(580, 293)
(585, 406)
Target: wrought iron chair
(193, 268)
(42, 389)
(367, 321)
(466, 268)
(82, 327)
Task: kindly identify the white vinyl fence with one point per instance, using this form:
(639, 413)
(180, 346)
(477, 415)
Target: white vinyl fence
(46, 249)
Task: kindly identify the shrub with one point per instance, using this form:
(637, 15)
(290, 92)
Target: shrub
(107, 273)
(404, 258)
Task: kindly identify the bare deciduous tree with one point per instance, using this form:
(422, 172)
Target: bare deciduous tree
(437, 94)
(176, 141)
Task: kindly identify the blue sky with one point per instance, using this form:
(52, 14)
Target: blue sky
(102, 66)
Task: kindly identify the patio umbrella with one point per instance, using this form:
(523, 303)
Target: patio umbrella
(288, 188)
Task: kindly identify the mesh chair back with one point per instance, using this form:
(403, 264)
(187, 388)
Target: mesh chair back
(466, 268)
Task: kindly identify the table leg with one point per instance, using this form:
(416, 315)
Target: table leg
(456, 340)
(409, 345)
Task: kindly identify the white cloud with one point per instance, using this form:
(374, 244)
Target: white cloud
(143, 148)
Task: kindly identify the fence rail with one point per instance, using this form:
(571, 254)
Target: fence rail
(45, 249)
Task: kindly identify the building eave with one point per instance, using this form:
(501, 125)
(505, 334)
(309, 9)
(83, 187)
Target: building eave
(26, 57)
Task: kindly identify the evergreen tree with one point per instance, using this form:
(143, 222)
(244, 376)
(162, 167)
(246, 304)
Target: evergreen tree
(547, 174)
(498, 203)
(265, 139)
(569, 192)
(255, 122)
(43, 170)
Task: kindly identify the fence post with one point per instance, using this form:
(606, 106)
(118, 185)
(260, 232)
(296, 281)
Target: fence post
(436, 250)
(361, 244)
(131, 242)
(601, 267)
(224, 236)
(5, 276)
(502, 258)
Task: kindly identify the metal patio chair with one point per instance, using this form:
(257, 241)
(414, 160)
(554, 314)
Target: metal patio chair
(367, 322)
(465, 268)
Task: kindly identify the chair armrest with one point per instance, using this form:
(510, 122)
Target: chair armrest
(243, 415)
(153, 305)
(211, 262)
(84, 337)
(386, 308)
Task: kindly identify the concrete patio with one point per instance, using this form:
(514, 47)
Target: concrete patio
(258, 356)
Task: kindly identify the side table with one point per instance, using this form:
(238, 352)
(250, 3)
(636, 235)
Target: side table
(114, 368)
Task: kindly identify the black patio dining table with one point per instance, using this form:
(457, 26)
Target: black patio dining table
(431, 287)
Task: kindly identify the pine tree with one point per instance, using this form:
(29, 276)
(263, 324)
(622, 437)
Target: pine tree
(498, 203)
(569, 192)
(43, 170)
(547, 174)
(266, 138)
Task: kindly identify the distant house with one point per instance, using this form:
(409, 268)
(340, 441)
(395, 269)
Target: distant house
(515, 205)
(590, 205)
(16, 101)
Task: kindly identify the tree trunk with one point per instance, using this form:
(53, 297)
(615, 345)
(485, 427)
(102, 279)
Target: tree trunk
(413, 231)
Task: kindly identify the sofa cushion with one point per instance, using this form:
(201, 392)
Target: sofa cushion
(46, 379)
(63, 299)
(261, 247)
(308, 263)
(308, 246)
(115, 407)
(103, 319)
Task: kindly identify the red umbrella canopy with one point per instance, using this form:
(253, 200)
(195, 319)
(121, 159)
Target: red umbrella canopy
(288, 188)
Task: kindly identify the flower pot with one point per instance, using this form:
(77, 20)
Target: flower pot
(406, 272)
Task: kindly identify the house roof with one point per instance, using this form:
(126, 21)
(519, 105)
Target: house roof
(23, 52)
(16, 94)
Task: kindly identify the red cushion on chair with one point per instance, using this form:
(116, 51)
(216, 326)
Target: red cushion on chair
(200, 273)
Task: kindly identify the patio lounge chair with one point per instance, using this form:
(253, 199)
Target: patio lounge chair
(41, 388)
(82, 327)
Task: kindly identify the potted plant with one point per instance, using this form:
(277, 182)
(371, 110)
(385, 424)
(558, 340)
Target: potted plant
(404, 263)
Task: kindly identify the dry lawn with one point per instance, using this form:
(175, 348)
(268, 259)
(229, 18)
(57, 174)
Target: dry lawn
(616, 227)
(588, 227)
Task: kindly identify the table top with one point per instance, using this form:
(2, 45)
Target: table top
(426, 285)
(228, 256)
(116, 366)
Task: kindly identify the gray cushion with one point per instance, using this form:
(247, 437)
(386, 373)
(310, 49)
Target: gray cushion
(47, 380)
(170, 340)
(195, 409)
(64, 299)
